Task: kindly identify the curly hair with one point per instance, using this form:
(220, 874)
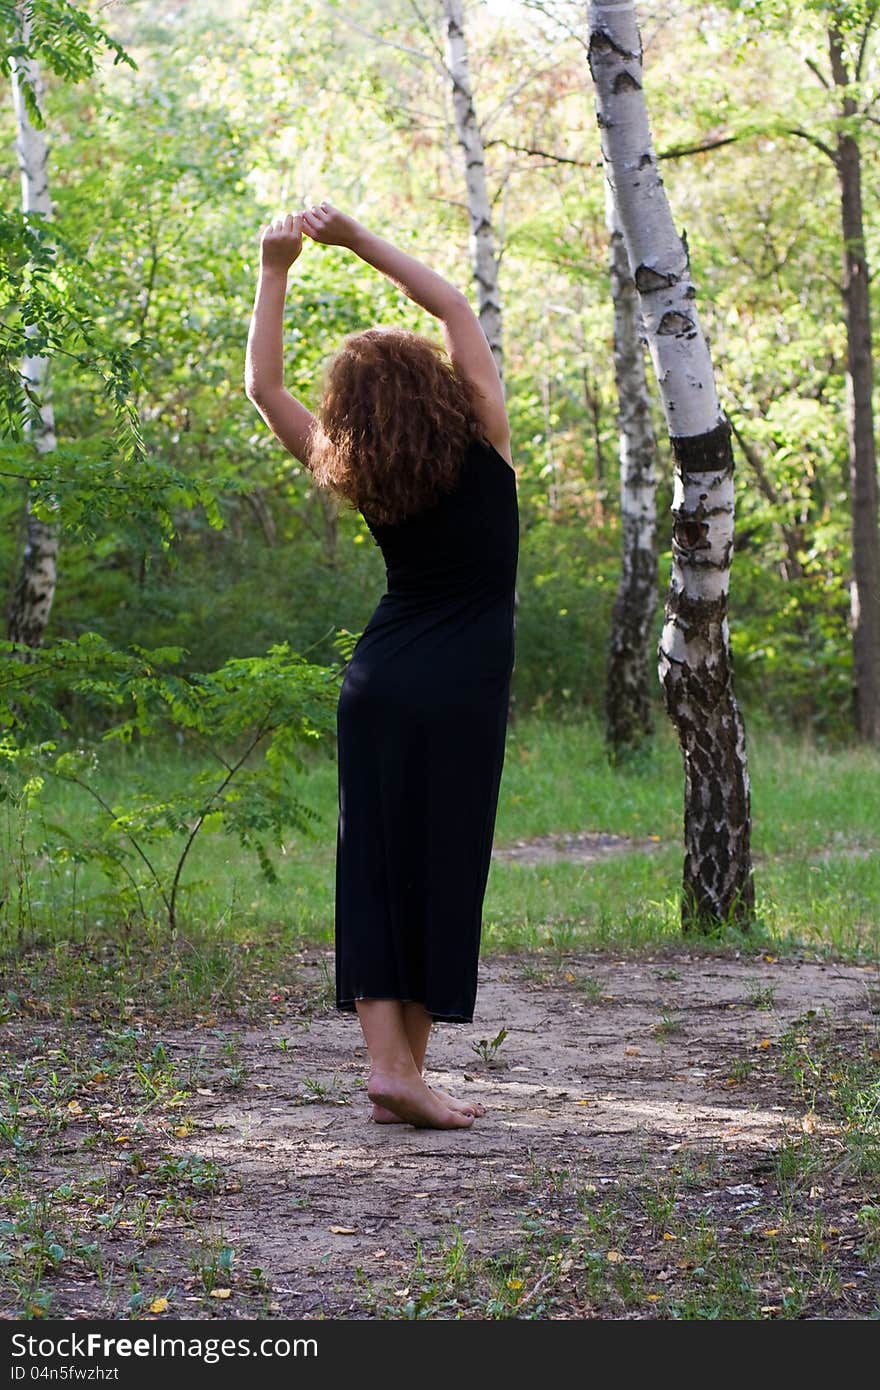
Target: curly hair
(394, 424)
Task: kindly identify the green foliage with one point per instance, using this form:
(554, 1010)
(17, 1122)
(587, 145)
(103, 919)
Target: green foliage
(183, 520)
(254, 717)
(60, 37)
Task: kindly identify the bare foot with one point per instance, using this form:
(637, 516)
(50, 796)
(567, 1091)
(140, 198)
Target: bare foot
(408, 1100)
(382, 1116)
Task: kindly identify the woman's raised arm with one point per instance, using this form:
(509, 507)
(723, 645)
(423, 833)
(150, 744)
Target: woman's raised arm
(287, 418)
(465, 340)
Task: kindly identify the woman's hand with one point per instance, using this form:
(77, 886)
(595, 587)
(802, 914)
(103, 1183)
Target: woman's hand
(326, 224)
(281, 242)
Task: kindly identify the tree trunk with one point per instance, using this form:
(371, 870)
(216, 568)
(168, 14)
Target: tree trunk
(695, 660)
(35, 587)
(865, 585)
(484, 261)
(627, 692)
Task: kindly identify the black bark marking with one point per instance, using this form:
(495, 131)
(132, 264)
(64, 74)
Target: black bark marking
(647, 279)
(601, 44)
(625, 82)
(704, 453)
(689, 533)
(675, 325)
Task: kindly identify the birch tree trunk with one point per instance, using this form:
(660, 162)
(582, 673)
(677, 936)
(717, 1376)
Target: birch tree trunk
(484, 261)
(695, 660)
(627, 691)
(35, 587)
(865, 584)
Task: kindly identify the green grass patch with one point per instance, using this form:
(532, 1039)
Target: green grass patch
(816, 815)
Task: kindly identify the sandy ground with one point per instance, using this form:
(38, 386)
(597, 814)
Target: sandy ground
(610, 1086)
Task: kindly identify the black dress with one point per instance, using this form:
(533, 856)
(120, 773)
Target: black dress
(421, 723)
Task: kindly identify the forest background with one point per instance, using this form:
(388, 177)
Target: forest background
(696, 1134)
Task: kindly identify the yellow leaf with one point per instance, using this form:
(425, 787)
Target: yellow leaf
(569, 977)
(652, 1297)
(159, 1305)
(765, 1042)
(344, 1230)
(181, 1131)
(667, 1235)
(582, 1102)
(771, 1231)
(771, 960)
(74, 1107)
(122, 1138)
(613, 1257)
(221, 1293)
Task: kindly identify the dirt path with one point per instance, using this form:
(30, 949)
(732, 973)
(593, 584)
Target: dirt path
(635, 1109)
(608, 1071)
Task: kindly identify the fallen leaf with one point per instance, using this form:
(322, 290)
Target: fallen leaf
(771, 1231)
(122, 1139)
(667, 1235)
(182, 1131)
(344, 1230)
(74, 1107)
(582, 1102)
(221, 1293)
(810, 1122)
(652, 1297)
(771, 960)
(613, 1257)
(159, 1305)
(631, 1052)
(765, 1042)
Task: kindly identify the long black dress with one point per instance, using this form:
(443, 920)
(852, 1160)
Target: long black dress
(421, 723)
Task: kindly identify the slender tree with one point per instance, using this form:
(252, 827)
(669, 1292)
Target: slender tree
(695, 660)
(865, 585)
(484, 261)
(35, 587)
(627, 691)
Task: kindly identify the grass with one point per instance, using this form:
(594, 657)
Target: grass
(816, 817)
(682, 1243)
(134, 1225)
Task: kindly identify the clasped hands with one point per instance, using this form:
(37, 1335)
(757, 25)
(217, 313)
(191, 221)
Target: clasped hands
(281, 241)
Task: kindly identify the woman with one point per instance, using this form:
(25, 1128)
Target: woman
(419, 442)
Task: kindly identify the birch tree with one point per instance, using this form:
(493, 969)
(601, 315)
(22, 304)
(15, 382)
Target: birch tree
(865, 585)
(694, 660)
(484, 261)
(35, 587)
(627, 691)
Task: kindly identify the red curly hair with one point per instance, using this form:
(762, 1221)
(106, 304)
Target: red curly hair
(394, 424)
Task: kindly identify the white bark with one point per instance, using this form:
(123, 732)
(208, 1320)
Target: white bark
(484, 261)
(695, 661)
(627, 696)
(35, 587)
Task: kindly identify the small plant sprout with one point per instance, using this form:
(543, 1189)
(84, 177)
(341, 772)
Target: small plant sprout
(487, 1049)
